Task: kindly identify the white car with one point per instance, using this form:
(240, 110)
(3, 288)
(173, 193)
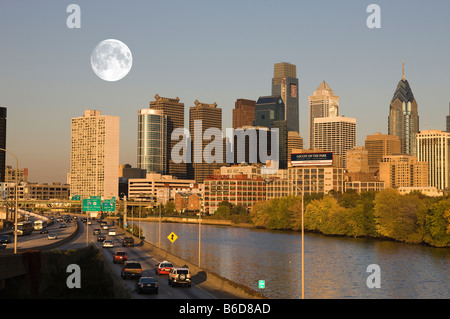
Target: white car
(112, 233)
(108, 244)
(105, 227)
(52, 236)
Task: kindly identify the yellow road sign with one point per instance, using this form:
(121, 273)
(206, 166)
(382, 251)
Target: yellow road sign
(172, 237)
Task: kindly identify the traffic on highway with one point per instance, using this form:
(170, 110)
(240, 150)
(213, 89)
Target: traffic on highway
(134, 265)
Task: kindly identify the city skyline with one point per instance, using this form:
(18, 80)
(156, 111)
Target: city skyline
(215, 52)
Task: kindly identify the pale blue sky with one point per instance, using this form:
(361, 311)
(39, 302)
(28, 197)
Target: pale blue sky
(213, 51)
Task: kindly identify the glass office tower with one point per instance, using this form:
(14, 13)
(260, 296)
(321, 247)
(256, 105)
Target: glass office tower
(152, 141)
(403, 118)
(285, 84)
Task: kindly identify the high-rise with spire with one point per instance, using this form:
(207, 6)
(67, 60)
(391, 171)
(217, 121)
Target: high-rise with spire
(403, 118)
(323, 103)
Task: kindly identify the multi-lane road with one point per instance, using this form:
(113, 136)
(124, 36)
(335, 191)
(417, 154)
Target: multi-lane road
(144, 255)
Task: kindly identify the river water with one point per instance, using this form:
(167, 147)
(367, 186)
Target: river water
(335, 267)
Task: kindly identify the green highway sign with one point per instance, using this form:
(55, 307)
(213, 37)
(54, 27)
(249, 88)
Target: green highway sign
(92, 205)
(76, 197)
(109, 205)
(262, 284)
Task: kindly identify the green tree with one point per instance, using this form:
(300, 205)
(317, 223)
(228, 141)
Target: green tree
(224, 210)
(169, 208)
(327, 216)
(437, 224)
(259, 214)
(397, 216)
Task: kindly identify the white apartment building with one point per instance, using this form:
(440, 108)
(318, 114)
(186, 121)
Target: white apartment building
(433, 146)
(94, 155)
(335, 134)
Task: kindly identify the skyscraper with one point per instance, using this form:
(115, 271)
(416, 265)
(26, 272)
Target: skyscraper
(174, 110)
(203, 163)
(379, 145)
(335, 134)
(269, 109)
(433, 146)
(285, 84)
(403, 116)
(270, 113)
(152, 141)
(323, 103)
(2, 143)
(243, 113)
(94, 155)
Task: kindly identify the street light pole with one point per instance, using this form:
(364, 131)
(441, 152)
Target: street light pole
(17, 202)
(125, 212)
(199, 236)
(270, 180)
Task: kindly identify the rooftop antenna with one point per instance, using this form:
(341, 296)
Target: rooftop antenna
(403, 73)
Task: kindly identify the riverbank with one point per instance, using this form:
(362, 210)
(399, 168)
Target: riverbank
(191, 220)
(228, 223)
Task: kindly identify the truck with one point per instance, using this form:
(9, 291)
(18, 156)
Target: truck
(131, 269)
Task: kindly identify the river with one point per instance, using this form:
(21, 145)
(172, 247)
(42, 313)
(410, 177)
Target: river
(335, 267)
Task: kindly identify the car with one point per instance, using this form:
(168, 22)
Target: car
(147, 284)
(44, 231)
(127, 241)
(164, 267)
(101, 238)
(83, 219)
(2, 246)
(108, 244)
(62, 225)
(105, 227)
(180, 276)
(52, 236)
(97, 231)
(5, 239)
(131, 269)
(112, 232)
(120, 256)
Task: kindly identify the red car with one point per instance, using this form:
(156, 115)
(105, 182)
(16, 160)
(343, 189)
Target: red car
(120, 257)
(163, 268)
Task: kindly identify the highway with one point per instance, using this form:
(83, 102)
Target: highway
(148, 261)
(36, 239)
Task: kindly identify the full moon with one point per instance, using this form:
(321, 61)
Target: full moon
(111, 60)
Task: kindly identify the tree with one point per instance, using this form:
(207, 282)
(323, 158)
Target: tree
(259, 214)
(327, 216)
(396, 215)
(437, 224)
(224, 210)
(169, 208)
